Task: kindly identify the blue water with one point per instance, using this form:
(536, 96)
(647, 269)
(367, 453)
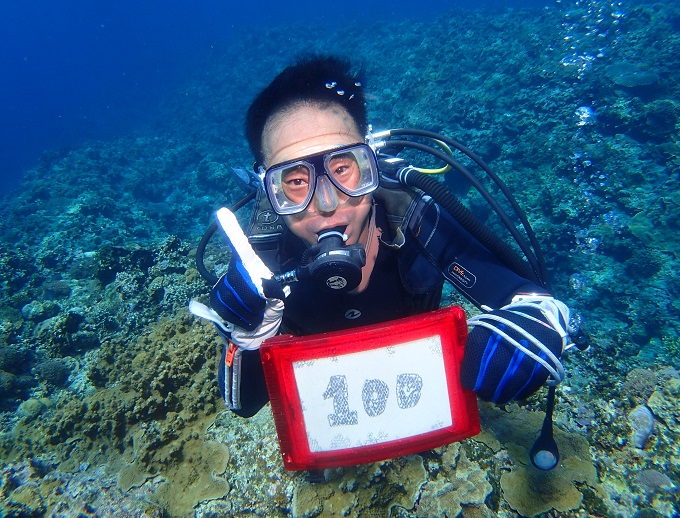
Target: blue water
(125, 124)
(74, 70)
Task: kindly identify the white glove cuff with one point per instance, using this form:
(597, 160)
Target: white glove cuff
(251, 340)
(203, 311)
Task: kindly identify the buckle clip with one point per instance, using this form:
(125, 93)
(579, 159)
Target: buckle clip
(231, 352)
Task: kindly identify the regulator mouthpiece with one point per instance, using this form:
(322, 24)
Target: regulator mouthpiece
(333, 266)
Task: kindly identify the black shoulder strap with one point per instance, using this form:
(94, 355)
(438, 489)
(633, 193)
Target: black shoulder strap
(264, 231)
(404, 206)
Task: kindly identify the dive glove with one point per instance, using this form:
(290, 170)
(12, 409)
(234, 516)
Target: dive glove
(244, 303)
(510, 352)
(246, 307)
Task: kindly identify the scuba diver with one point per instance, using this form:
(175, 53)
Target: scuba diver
(345, 233)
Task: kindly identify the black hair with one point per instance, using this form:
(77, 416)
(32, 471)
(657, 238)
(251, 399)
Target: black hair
(315, 79)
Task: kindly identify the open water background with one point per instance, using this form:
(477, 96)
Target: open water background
(74, 70)
(119, 127)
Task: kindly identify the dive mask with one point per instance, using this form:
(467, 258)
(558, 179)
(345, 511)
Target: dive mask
(290, 185)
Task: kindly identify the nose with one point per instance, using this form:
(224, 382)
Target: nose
(325, 196)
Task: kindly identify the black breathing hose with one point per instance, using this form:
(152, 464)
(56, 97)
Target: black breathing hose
(469, 221)
(200, 253)
(533, 255)
(485, 194)
(203, 243)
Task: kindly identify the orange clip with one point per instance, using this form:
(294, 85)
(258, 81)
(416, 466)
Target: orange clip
(231, 351)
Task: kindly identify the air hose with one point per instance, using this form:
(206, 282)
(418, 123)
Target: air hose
(200, 250)
(531, 250)
(449, 202)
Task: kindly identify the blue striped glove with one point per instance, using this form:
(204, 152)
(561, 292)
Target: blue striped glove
(512, 351)
(237, 299)
(246, 298)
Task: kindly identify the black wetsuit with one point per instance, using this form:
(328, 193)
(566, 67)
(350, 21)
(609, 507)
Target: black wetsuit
(405, 281)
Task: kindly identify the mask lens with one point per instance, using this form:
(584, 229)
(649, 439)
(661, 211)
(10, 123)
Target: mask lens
(289, 187)
(295, 182)
(353, 170)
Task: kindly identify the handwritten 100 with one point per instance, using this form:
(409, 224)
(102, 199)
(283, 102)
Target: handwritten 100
(374, 395)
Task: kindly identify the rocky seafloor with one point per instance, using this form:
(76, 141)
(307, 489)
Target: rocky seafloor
(107, 384)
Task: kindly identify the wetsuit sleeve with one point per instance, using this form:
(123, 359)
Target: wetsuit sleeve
(477, 273)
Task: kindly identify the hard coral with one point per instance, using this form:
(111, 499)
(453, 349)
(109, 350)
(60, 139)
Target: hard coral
(13, 359)
(665, 404)
(631, 76)
(642, 424)
(653, 481)
(639, 384)
(658, 225)
(55, 372)
(31, 488)
(526, 489)
(200, 477)
(386, 488)
(466, 484)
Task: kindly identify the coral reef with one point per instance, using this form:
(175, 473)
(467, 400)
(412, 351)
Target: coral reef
(145, 421)
(38, 488)
(461, 483)
(657, 226)
(665, 403)
(527, 489)
(628, 75)
(639, 384)
(108, 404)
(642, 423)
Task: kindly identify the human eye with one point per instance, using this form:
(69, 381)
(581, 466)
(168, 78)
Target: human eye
(296, 182)
(341, 165)
(295, 179)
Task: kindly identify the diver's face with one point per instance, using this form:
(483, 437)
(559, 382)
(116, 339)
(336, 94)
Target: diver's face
(306, 129)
